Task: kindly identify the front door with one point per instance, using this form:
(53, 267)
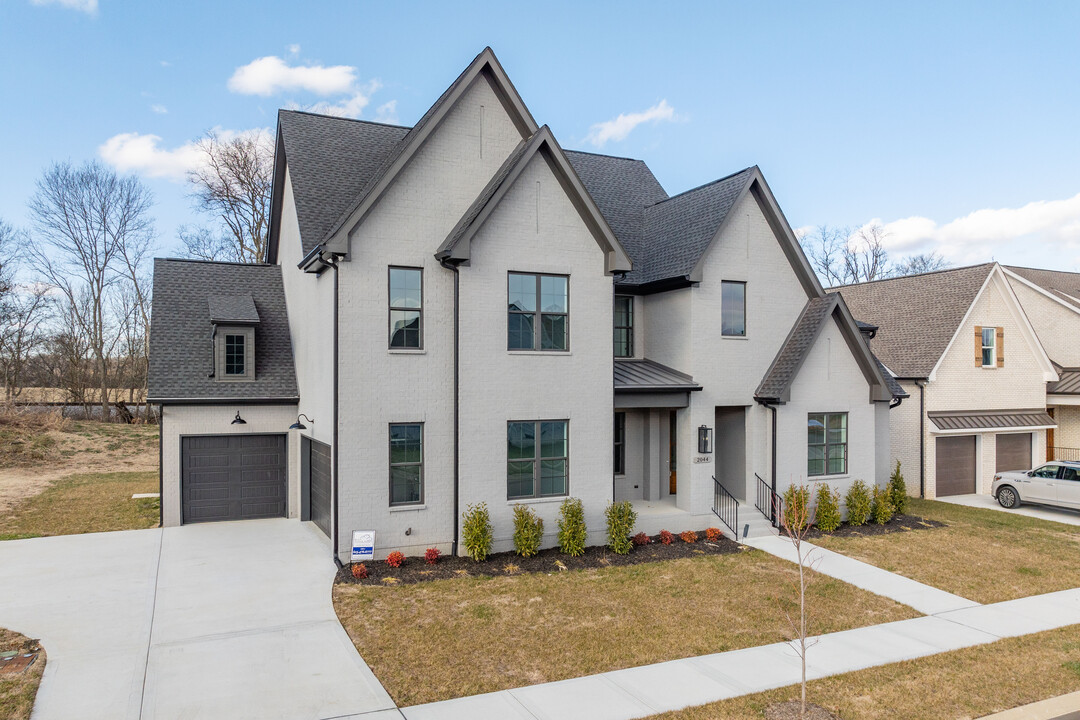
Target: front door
(672, 454)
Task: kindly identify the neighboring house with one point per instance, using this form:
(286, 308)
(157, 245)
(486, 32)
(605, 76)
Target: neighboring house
(452, 294)
(1051, 300)
(962, 346)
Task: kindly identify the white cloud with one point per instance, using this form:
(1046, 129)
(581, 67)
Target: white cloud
(270, 75)
(142, 154)
(387, 112)
(164, 63)
(982, 234)
(294, 49)
(622, 126)
(87, 6)
(159, 109)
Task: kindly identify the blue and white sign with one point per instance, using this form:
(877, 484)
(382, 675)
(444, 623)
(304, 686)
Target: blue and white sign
(363, 545)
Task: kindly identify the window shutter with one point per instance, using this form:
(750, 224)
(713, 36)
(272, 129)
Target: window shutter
(1001, 347)
(978, 346)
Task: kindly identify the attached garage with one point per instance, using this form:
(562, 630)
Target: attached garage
(955, 466)
(233, 477)
(315, 470)
(1013, 452)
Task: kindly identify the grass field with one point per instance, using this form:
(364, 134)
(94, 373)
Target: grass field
(17, 692)
(984, 555)
(448, 638)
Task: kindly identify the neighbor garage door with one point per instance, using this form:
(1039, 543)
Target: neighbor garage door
(955, 465)
(1013, 452)
(233, 477)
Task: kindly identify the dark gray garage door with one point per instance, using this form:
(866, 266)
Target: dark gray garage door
(955, 465)
(1013, 452)
(233, 477)
(318, 482)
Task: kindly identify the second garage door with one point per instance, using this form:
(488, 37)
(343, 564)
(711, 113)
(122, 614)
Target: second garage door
(955, 465)
(1013, 452)
(233, 477)
(319, 483)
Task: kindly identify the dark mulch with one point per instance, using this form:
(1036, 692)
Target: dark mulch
(899, 523)
(415, 570)
(790, 711)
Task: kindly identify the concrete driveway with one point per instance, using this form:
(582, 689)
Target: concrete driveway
(1061, 515)
(204, 621)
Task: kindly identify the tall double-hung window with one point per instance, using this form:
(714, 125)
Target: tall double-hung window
(624, 326)
(538, 312)
(406, 308)
(827, 442)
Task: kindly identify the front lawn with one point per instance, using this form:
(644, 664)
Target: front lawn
(17, 691)
(449, 638)
(966, 683)
(983, 555)
(83, 503)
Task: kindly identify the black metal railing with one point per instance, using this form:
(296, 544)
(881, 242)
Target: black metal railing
(726, 507)
(768, 502)
(1063, 453)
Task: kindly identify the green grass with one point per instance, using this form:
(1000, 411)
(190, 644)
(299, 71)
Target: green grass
(84, 503)
(18, 692)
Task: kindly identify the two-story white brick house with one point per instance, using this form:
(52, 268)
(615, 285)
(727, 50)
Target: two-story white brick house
(444, 301)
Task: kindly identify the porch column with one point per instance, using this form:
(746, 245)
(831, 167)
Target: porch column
(653, 461)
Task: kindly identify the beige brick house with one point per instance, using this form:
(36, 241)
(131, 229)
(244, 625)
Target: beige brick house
(960, 343)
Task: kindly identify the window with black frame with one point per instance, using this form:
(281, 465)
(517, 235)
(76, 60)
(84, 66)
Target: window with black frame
(406, 308)
(827, 440)
(537, 459)
(538, 312)
(624, 326)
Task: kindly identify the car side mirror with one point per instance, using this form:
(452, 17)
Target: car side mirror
(1031, 473)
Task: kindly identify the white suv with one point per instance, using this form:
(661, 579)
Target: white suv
(1055, 483)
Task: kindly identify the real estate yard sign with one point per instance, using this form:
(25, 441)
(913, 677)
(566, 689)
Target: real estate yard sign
(363, 545)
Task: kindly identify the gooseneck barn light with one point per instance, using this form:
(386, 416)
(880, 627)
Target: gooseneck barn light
(238, 420)
(299, 425)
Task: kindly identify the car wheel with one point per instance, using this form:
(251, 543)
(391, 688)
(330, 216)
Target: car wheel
(1008, 498)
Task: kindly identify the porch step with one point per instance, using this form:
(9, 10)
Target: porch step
(753, 524)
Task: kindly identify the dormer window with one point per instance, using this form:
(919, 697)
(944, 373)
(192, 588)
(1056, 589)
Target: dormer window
(234, 318)
(234, 354)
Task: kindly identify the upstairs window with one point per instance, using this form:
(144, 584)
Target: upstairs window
(733, 308)
(235, 355)
(989, 346)
(406, 308)
(624, 326)
(827, 444)
(538, 308)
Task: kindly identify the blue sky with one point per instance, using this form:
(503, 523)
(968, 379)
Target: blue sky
(954, 124)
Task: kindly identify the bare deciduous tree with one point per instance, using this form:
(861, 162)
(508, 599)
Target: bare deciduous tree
(922, 263)
(89, 221)
(233, 183)
(22, 335)
(797, 519)
(841, 256)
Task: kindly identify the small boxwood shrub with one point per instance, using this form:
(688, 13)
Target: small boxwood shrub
(641, 539)
(620, 523)
(688, 536)
(359, 571)
(395, 559)
(797, 505)
(528, 531)
(572, 530)
(881, 508)
(476, 533)
(713, 534)
(432, 555)
(827, 514)
(898, 491)
(666, 537)
(858, 502)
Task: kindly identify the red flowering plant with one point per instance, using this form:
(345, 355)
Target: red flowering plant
(359, 571)
(395, 559)
(431, 555)
(666, 537)
(641, 539)
(688, 536)
(713, 534)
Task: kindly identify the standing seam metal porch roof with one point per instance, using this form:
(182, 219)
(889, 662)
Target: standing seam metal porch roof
(644, 375)
(991, 419)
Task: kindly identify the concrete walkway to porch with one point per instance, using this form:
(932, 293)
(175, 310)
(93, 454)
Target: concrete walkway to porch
(924, 598)
(663, 687)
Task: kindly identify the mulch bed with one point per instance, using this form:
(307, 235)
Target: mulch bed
(790, 711)
(415, 570)
(899, 523)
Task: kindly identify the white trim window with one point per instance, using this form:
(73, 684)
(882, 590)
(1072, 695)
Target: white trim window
(989, 347)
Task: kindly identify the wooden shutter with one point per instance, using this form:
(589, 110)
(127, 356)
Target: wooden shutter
(1001, 347)
(978, 346)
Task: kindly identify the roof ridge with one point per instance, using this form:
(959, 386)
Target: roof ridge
(613, 157)
(346, 119)
(835, 288)
(703, 186)
(216, 262)
(1025, 267)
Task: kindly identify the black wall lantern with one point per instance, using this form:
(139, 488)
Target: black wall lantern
(238, 420)
(704, 440)
(299, 425)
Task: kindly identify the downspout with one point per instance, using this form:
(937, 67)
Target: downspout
(922, 438)
(457, 354)
(337, 531)
(773, 471)
(161, 466)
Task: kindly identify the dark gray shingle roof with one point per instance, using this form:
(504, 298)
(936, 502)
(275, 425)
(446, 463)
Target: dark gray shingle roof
(181, 354)
(800, 340)
(331, 161)
(642, 374)
(1063, 285)
(916, 315)
(233, 308)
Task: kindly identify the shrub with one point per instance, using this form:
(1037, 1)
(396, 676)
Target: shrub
(572, 530)
(620, 523)
(858, 502)
(476, 533)
(898, 490)
(827, 514)
(713, 534)
(666, 537)
(528, 531)
(641, 539)
(395, 559)
(432, 555)
(881, 508)
(797, 505)
(688, 536)
(359, 571)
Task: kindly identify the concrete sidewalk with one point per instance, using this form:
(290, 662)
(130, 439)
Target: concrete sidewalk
(924, 598)
(1065, 707)
(1042, 512)
(642, 691)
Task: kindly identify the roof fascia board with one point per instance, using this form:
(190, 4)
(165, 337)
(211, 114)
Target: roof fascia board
(486, 60)
(1039, 289)
(654, 287)
(1062, 399)
(277, 191)
(225, 401)
(935, 430)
